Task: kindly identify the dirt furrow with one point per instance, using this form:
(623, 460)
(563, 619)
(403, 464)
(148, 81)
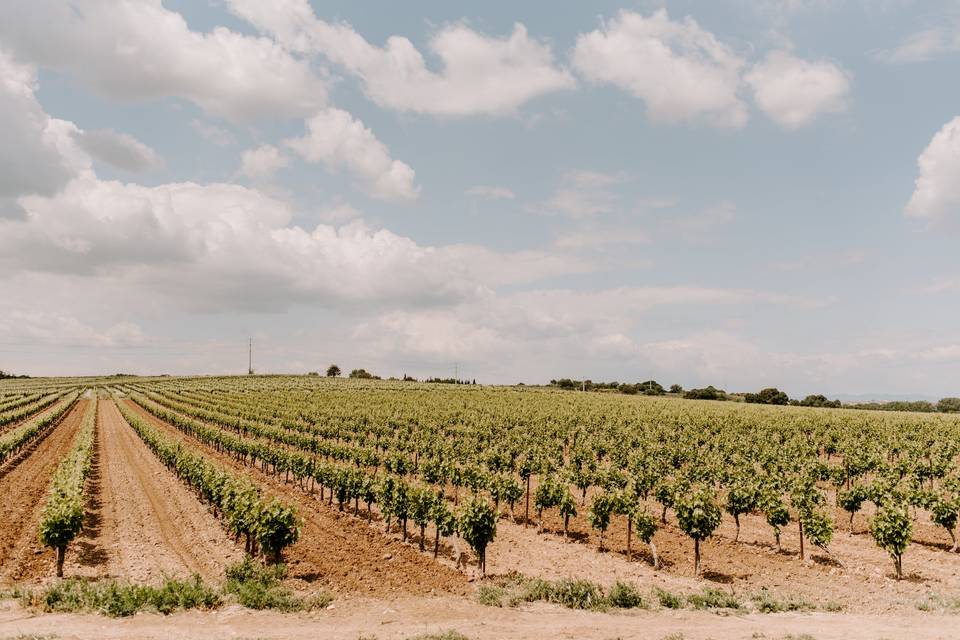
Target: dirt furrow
(337, 549)
(24, 489)
(143, 523)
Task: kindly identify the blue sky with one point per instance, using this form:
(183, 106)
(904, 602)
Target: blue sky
(732, 193)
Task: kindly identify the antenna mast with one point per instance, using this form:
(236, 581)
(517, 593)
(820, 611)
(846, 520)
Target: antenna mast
(250, 358)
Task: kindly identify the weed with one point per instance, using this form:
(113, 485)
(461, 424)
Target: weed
(766, 602)
(713, 599)
(667, 599)
(117, 599)
(624, 596)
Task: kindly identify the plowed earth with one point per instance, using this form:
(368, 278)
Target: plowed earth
(142, 522)
(23, 488)
(336, 549)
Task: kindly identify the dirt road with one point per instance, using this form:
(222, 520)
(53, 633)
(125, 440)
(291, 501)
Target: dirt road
(408, 618)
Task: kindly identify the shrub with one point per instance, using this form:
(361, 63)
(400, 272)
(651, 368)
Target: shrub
(713, 599)
(623, 595)
(667, 599)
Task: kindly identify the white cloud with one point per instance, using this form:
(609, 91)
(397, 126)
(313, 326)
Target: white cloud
(119, 149)
(138, 50)
(46, 328)
(338, 141)
(213, 134)
(478, 73)
(261, 163)
(924, 45)
(491, 192)
(937, 188)
(339, 212)
(584, 194)
(30, 154)
(681, 71)
(226, 247)
(793, 92)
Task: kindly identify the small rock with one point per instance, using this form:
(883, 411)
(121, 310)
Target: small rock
(388, 556)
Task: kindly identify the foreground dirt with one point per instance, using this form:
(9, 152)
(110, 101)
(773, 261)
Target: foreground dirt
(408, 618)
(23, 489)
(859, 575)
(142, 522)
(336, 549)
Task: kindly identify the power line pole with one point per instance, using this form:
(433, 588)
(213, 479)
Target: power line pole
(250, 358)
(456, 371)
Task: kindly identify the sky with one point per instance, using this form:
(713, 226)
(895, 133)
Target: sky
(738, 193)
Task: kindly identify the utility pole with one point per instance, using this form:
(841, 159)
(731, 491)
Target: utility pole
(456, 371)
(250, 358)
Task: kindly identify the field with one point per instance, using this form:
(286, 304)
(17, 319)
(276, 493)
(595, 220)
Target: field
(399, 509)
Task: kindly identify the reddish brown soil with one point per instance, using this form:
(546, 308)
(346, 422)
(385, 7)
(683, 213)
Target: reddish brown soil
(338, 550)
(142, 522)
(24, 489)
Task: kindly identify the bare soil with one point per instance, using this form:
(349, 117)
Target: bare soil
(337, 550)
(142, 522)
(23, 489)
(411, 617)
(856, 574)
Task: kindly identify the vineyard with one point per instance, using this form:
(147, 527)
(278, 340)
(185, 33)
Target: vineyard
(395, 489)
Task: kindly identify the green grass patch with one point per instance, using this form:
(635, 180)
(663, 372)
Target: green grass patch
(251, 584)
(766, 602)
(668, 599)
(259, 587)
(516, 589)
(116, 599)
(711, 598)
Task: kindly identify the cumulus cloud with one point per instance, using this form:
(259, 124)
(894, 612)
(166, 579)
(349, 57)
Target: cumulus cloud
(681, 71)
(261, 163)
(339, 141)
(139, 50)
(541, 333)
(478, 73)
(937, 189)
(793, 92)
(118, 149)
(30, 155)
(227, 247)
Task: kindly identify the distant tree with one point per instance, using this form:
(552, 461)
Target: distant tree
(651, 388)
(770, 395)
(819, 400)
(333, 371)
(363, 374)
(707, 393)
(949, 405)
(676, 388)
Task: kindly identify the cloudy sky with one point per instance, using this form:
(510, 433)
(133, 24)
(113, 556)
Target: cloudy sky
(740, 193)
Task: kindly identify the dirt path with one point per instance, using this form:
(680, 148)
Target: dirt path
(338, 550)
(23, 489)
(407, 618)
(143, 523)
